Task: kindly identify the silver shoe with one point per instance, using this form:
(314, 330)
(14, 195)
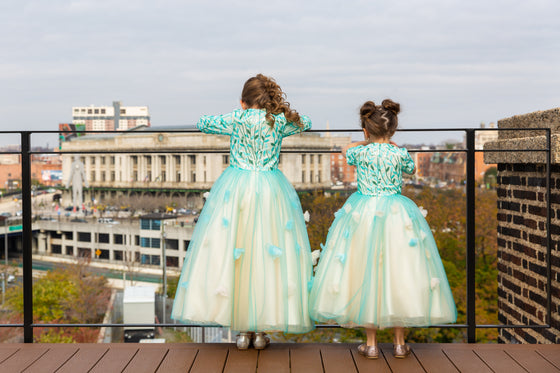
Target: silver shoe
(370, 352)
(260, 341)
(401, 351)
(243, 341)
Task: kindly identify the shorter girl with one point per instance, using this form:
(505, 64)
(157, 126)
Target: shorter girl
(380, 266)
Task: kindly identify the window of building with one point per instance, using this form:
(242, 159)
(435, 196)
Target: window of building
(92, 177)
(186, 245)
(84, 237)
(135, 176)
(303, 158)
(56, 249)
(310, 158)
(103, 238)
(163, 176)
(318, 176)
(118, 255)
(225, 159)
(89, 111)
(102, 111)
(103, 176)
(96, 111)
(112, 175)
(148, 160)
(118, 239)
(134, 160)
(303, 176)
(172, 244)
(177, 160)
(192, 159)
(102, 160)
(178, 176)
(123, 111)
(92, 161)
(172, 261)
(319, 158)
(84, 252)
(310, 176)
(162, 159)
(69, 250)
(193, 177)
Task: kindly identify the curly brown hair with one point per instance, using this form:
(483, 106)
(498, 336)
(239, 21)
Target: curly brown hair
(380, 121)
(264, 93)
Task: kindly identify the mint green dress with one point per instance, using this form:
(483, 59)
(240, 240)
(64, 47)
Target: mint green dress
(380, 266)
(248, 265)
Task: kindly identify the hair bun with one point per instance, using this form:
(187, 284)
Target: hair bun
(391, 106)
(367, 109)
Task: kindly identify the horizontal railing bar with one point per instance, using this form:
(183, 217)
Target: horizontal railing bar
(188, 130)
(320, 326)
(226, 151)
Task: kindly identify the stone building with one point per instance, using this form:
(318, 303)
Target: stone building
(180, 164)
(522, 227)
(110, 118)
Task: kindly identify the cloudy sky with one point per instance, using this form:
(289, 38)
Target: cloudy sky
(450, 63)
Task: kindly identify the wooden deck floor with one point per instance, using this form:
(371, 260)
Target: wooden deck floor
(305, 358)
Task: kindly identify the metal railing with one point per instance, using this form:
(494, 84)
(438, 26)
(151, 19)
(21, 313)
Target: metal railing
(470, 151)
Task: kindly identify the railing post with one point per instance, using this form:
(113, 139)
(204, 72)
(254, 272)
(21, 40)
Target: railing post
(548, 318)
(27, 232)
(471, 253)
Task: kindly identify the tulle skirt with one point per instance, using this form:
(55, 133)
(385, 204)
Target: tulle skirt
(248, 265)
(380, 267)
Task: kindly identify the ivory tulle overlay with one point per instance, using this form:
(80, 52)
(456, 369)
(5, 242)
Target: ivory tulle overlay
(380, 267)
(248, 265)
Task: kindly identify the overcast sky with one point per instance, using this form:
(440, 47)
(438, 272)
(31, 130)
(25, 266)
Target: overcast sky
(450, 63)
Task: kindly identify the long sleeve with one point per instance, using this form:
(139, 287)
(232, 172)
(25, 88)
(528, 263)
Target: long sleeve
(292, 129)
(217, 124)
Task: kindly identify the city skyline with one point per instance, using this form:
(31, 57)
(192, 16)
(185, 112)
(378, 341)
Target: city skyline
(450, 64)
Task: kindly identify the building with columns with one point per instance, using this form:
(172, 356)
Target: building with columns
(180, 164)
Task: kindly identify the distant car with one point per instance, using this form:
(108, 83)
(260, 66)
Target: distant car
(6, 214)
(107, 221)
(11, 278)
(78, 220)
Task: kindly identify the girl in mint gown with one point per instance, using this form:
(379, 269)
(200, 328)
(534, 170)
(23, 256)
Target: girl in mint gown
(380, 267)
(248, 265)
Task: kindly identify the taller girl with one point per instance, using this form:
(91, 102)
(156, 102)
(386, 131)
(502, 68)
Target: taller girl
(380, 266)
(248, 264)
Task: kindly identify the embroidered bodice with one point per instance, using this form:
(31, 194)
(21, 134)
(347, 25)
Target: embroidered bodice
(254, 144)
(380, 167)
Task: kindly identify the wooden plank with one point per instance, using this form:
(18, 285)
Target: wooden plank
(210, 359)
(23, 358)
(365, 365)
(116, 359)
(6, 351)
(82, 361)
(275, 358)
(499, 361)
(550, 354)
(531, 360)
(463, 357)
(305, 358)
(146, 360)
(241, 361)
(56, 356)
(409, 364)
(432, 358)
(178, 360)
(338, 359)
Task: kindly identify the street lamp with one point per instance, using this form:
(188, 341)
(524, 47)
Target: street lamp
(164, 266)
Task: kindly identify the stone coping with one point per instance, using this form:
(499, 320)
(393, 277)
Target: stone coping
(526, 140)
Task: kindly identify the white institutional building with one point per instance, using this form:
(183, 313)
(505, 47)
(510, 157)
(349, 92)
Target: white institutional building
(165, 161)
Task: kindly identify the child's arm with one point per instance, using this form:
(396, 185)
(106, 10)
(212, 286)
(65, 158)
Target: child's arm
(217, 124)
(408, 162)
(292, 129)
(352, 145)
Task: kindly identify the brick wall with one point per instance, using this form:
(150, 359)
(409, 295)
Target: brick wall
(522, 253)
